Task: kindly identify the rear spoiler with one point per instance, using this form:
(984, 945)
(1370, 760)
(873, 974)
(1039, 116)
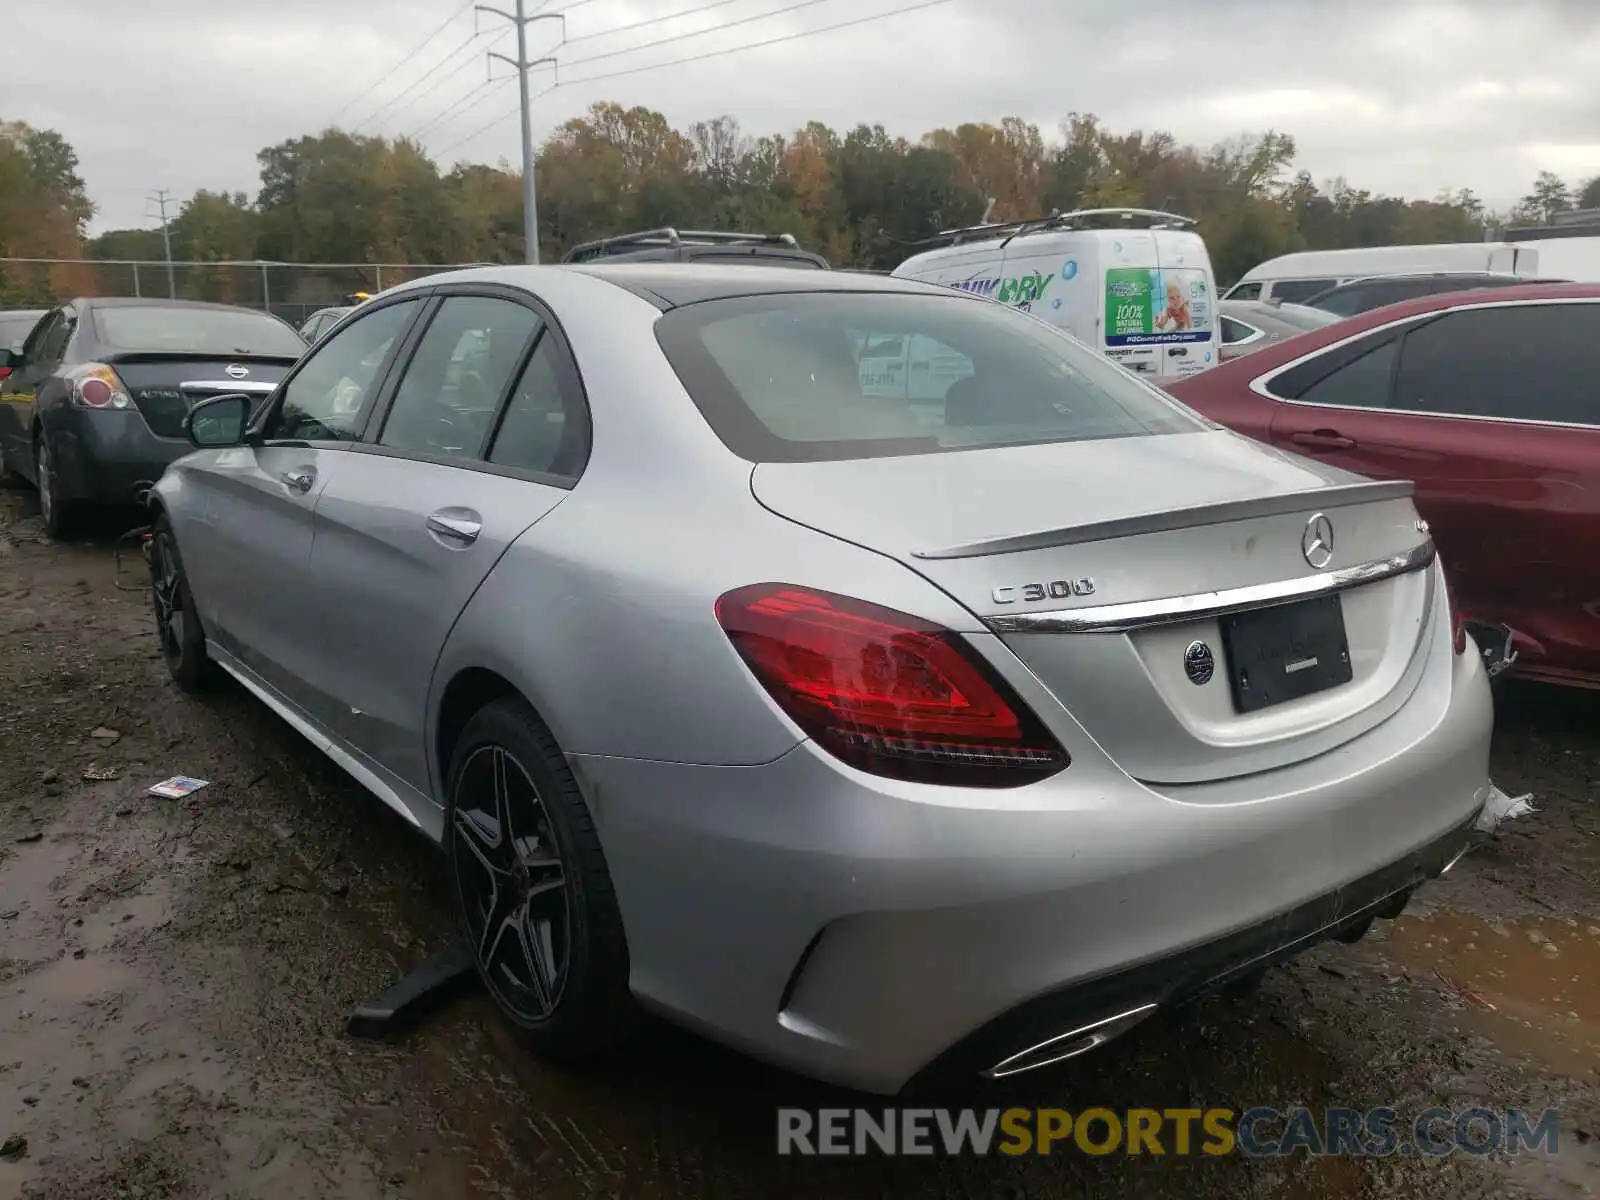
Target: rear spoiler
(1338, 496)
(161, 356)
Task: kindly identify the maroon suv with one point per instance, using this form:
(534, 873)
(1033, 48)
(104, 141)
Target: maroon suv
(1489, 401)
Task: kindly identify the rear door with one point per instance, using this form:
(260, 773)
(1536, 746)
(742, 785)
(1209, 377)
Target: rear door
(486, 432)
(245, 526)
(1492, 410)
(1187, 306)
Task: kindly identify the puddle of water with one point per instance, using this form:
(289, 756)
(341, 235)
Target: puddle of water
(1533, 986)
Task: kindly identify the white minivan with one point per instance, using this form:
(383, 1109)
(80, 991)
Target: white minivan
(1295, 278)
(1132, 283)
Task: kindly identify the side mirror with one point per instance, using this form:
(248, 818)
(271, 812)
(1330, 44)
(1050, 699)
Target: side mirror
(219, 420)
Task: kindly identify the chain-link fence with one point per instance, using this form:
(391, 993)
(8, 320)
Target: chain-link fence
(292, 291)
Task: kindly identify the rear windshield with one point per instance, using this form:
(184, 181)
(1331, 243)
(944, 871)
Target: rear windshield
(15, 328)
(818, 376)
(195, 331)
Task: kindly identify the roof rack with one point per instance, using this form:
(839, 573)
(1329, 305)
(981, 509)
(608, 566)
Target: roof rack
(646, 239)
(1082, 218)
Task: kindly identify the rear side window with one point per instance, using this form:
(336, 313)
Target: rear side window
(463, 365)
(818, 376)
(1234, 332)
(1293, 291)
(546, 425)
(1244, 291)
(1533, 362)
(1355, 376)
(153, 327)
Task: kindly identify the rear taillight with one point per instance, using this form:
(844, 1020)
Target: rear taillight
(1458, 625)
(888, 693)
(5, 372)
(95, 385)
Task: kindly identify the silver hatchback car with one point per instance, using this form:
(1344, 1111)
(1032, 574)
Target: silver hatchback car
(863, 673)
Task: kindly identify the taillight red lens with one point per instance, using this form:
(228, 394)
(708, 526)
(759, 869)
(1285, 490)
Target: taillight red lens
(5, 372)
(96, 393)
(888, 693)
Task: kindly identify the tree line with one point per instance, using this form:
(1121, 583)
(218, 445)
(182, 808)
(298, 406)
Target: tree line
(863, 198)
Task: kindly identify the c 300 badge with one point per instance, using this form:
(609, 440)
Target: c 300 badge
(1034, 593)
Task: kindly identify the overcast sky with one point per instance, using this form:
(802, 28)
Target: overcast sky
(1403, 96)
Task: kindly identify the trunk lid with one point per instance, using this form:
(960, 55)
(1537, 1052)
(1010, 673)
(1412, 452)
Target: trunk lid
(1102, 564)
(164, 387)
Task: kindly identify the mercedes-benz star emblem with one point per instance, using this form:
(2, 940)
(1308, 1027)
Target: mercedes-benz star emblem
(236, 370)
(1316, 543)
(1199, 664)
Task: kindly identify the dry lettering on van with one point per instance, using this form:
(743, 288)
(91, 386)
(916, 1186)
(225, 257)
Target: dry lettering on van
(1033, 593)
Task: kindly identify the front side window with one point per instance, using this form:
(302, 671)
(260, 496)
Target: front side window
(1531, 362)
(328, 398)
(818, 376)
(463, 365)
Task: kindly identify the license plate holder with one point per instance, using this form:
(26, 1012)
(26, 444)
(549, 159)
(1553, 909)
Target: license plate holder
(1285, 652)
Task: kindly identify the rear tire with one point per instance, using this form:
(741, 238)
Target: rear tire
(178, 628)
(533, 894)
(60, 515)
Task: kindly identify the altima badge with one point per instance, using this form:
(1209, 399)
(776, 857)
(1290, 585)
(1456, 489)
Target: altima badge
(1199, 664)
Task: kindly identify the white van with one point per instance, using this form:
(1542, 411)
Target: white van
(1294, 278)
(1573, 258)
(1132, 283)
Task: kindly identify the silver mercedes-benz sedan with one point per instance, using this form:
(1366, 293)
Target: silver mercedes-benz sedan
(862, 672)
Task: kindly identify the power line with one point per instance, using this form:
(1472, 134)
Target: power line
(678, 62)
(444, 79)
(460, 108)
(428, 74)
(774, 41)
(421, 46)
(679, 37)
(483, 129)
(688, 12)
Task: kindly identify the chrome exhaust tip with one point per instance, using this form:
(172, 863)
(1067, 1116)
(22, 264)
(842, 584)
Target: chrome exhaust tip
(1070, 1044)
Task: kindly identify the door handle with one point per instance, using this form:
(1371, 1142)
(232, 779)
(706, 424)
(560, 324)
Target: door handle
(1323, 439)
(460, 530)
(299, 480)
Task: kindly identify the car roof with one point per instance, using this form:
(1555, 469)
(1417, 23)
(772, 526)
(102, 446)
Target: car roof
(670, 285)
(1314, 340)
(23, 312)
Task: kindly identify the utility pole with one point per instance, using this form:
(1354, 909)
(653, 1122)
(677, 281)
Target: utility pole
(160, 198)
(530, 201)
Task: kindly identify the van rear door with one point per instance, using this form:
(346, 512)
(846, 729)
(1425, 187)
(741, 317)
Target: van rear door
(1185, 263)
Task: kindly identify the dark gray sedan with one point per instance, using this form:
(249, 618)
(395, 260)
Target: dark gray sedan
(92, 406)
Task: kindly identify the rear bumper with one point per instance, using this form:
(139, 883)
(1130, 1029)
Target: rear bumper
(871, 933)
(106, 456)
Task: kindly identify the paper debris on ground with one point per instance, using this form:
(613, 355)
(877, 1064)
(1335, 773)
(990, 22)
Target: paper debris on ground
(178, 787)
(1501, 807)
(96, 774)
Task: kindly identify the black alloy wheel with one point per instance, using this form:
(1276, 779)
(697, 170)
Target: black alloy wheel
(534, 897)
(513, 885)
(183, 642)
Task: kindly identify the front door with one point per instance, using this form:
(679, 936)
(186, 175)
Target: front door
(481, 440)
(250, 522)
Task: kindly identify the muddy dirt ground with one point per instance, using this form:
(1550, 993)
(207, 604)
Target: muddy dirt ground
(175, 977)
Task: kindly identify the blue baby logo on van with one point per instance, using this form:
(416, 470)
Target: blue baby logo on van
(1069, 271)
